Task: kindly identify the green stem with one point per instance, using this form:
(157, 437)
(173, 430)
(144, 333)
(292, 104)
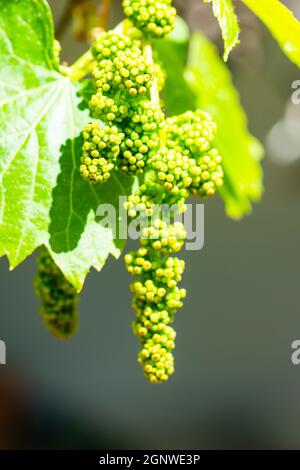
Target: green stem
(86, 63)
(154, 93)
(82, 67)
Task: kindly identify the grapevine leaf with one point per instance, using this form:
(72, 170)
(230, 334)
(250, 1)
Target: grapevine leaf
(211, 81)
(43, 200)
(224, 12)
(282, 24)
(26, 36)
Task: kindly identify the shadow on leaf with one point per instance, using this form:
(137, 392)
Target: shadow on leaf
(85, 93)
(74, 200)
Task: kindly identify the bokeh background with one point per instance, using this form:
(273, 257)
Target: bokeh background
(235, 386)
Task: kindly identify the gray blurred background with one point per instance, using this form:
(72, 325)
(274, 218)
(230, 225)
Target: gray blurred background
(234, 386)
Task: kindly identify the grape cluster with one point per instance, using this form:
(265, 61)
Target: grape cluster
(141, 137)
(150, 198)
(123, 79)
(157, 296)
(173, 157)
(152, 17)
(186, 162)
(58, 298)
(108, 44)
(126, 73)
(110, 110)
(100, 150)
(192, 160)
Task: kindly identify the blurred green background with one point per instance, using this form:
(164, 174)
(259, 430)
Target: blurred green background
(235, 385)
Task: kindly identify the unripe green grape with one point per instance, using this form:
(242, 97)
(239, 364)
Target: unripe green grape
(59, 298)
(153, 18)
(100, 150)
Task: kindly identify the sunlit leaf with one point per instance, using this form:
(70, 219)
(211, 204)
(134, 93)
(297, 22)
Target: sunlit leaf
(282, 24)
(43, 200)
(224, 12)
(211, 81)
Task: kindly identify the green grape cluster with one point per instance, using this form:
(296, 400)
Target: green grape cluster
(128, 73)
(143, 202)
(123, 79)
(157, 296)
(110, 110)
(121, 72)
(194, 162)
(141, 137)
(100, 150)
(153, 18)
(175, 170)
(172, 157)
(108, 44)
(164, 238)
(58, 297)
(186, 162)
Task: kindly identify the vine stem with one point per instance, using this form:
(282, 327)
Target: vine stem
(82, 67)
(154, 93)
(86, 63)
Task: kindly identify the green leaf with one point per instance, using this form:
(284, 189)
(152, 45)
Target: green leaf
(43, 199)
(282, 24)
(224, 12)
(211, 81)
(172, 52)
(26, 35)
